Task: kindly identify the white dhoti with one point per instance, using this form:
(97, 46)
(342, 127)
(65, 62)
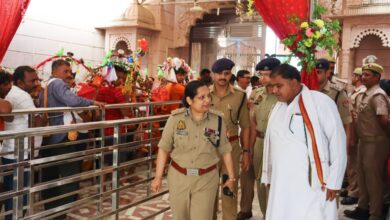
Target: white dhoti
(288, 153)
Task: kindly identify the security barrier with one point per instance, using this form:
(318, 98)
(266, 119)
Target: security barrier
(102, 185)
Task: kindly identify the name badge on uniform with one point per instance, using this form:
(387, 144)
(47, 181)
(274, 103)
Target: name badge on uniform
(181, 128)
(258, 100)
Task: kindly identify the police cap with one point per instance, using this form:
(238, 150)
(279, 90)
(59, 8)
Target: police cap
(358, 71)
(267, 64)
(222, 64)
(322, 64)
(373, 67)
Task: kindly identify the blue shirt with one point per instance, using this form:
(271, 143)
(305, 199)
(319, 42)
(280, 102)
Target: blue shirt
(60, 95)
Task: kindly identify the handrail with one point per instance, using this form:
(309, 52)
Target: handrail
(82, 126)
(32, 165)
(92, 107)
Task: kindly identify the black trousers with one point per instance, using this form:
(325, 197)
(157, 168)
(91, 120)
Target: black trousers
(59, 171)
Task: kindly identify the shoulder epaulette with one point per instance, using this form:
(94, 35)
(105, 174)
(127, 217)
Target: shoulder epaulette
(178, 111)
(216, 112)
(338, 84)
(238, 89)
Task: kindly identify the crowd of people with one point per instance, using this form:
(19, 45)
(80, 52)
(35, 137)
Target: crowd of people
(265, 130)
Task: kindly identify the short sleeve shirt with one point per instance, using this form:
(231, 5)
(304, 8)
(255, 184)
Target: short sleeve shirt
(373, 103)
(263, 103)
(229, 106)
(190, 142)
(19, 99)
(343, 104)
(354, 101)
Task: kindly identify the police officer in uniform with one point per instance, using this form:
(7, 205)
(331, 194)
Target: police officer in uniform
(195, 138)
(233, 104)
(262, 102)
(352, 191)
(336, 91)
(373, 127)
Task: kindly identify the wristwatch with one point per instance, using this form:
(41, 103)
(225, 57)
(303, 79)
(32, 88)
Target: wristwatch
(246, 150)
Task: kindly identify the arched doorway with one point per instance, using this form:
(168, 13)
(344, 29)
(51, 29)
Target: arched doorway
(222, 33)
(373, 45)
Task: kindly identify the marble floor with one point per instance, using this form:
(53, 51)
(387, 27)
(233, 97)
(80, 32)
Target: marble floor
(148, 208)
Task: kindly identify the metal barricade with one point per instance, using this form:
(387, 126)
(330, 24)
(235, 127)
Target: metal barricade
(106, 189)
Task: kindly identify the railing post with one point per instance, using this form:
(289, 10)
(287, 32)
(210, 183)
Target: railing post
(115, 174)
(150, 163)
(18, 178)
(31, 144)
(100, 158)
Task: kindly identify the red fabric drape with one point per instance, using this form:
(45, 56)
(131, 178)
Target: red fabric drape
(11, 14)
(277, 15)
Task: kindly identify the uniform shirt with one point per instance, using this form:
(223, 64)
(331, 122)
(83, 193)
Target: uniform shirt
(20, 100)
(111, 95)
(60, 95)
(343, 103)
(263, 102)
(372, 103)
(229, 105)
(187, 142)
(357, 91)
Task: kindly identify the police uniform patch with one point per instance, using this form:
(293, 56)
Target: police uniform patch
(259, 99)
(346, 103)
(181, 125)
(181, 128)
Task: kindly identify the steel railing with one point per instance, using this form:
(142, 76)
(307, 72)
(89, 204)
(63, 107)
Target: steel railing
(97, 190)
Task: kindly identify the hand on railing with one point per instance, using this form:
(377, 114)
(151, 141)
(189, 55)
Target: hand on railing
(99, 104)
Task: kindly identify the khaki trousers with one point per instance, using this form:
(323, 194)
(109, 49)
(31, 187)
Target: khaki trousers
(262, 190)
(247, 181)
(371, 173)
(229, 204)
(352, 172)
(192, 197)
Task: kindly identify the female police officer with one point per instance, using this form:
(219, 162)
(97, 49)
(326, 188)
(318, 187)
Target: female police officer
(194, 137)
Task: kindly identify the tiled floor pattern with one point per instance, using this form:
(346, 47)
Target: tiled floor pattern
(146, 209)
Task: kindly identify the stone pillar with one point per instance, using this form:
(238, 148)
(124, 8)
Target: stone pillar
(345, 63)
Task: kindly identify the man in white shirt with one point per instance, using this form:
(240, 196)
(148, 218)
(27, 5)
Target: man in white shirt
(25, 81)
(304, 152)
(243, 81)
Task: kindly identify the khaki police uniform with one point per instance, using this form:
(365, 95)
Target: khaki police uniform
(190, 144)
(352, 162)
(229, 106)
(337, 93)
(263, 103)
(372, 150)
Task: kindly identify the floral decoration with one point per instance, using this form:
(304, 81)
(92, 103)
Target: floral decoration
(311, 37)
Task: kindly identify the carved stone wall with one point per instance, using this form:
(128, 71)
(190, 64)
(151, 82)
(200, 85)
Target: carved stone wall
(382, 31)
(118, 38)
(355, 30)
(334, 7)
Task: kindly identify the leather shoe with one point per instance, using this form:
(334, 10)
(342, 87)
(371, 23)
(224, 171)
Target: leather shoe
(349, 200)
(244, 215)
(344, 193)
(357, 213)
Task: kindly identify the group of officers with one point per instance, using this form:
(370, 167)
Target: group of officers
(364, 112)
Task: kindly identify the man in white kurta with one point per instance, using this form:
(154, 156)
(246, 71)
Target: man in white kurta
(297, 192)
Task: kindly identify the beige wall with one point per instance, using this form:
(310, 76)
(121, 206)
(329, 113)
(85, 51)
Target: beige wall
(361, 36)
